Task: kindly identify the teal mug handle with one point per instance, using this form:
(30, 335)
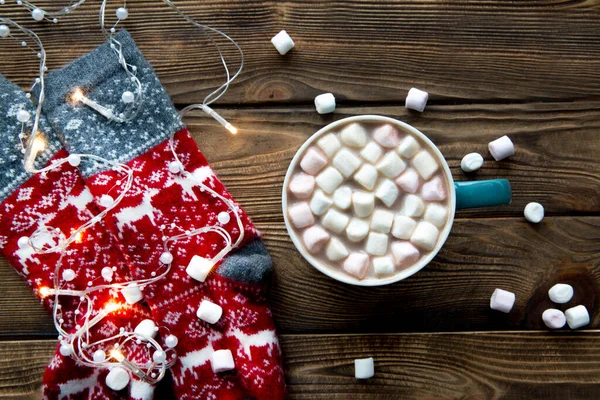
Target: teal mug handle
(472, 194)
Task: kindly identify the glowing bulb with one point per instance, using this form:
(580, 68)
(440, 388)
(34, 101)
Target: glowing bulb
(111, 306)
(77, 95)
(117, 355)
(44, 291)
(39, 144)
(231, 128)
(78, 237)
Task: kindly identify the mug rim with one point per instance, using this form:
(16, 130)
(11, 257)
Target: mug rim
(340, 275)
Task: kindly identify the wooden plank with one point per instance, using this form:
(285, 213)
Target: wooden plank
(451, 294)
(362, 51)
(515, 365)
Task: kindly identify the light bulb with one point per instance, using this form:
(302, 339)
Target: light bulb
(44, 291)
(231, 128)
(117, 355)
(111, 306)
(77, 95)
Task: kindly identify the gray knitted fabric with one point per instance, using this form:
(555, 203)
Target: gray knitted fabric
(12, 171)
(104, 80)
(251, 264)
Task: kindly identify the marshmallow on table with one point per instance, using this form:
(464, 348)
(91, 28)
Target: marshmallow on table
(371, 152)
(313, 161)
(436, 214)
(408, 147)
(405, 254)
(577, 317)
(471, 162)
(335, 221)
(416, 99)
(434, 190)
(425, 235)
(342, 197)
(377, 244)
(502, 300)
(346, 162)
(221, 361)
(363, 203)
(534, 212)
(501, 148)
(300, 215)
(325, 103)
(117, 379)
(329, 179)
(364, 368)
(357, 230)
(425, 164)
(315, 238)
(383, 265)
(209, 312)
(354, 135)
(320, 202)
(336, 250)
(561, 293)
(382, 221)
(357, 264)
(553, 318)
(302, 185)
(330, 144)
(387, 192)
(409, 181)
(282, 42)
(146, 328)
(403, 227)
(366, 176)
(391, 165)
(412, 206)
(387, 136)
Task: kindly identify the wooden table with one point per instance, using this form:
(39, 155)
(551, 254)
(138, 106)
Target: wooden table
(530, 70)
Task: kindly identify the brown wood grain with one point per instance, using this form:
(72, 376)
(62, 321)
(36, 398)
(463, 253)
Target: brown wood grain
(493, 365)
(458, 51)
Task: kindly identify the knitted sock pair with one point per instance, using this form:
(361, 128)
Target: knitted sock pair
(162, 202)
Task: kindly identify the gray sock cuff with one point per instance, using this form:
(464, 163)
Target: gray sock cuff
(250, 264)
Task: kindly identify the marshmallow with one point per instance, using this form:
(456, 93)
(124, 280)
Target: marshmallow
(146, 328)
(501, 148)
(336, 250)
(416, 99)
(335, 221)
(405, 254)
(302, 185)
(534, 212)
(320, 203)
(366, 176)
(561, 293)
(502, 300)
(300, 215)
(313, 161)
(412, 206)
(357, 264)
(346, 162)
(209, 312)
(471, 162)
(117, 379)
(315, 238)
(357, 230)
(409, 181)
(408, 147)
(377, 243)
(199, 267)
(342, 197)
(132, 293)
(221, 361)
(325, 103)
(371, 152)
(363, 203)
(577, 317)
(364, 368)
(354, 135)
(436, 214)
(387, 136)
(330, 144)
(282, 42)
(425, 235)
(383, 265)
(553, 318)
(434, 190)
(387, 192)
(382, 221)
(329, 179)
(403, 227)
(391, 165)
(425, 164)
